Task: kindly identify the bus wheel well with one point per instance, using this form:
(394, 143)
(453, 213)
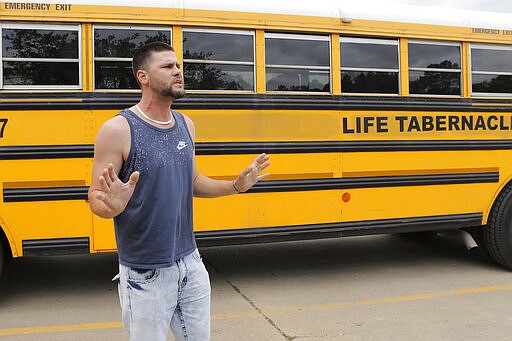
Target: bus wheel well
(498, 232)
(5, 249)
(4, 244)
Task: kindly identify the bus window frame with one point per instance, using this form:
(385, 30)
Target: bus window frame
(249, 32)
(377, 41)
(119, 59)
(301, 36)
(61, 27)
(459, 70)
(483, 46)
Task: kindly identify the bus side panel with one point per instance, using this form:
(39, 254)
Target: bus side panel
(44, 194)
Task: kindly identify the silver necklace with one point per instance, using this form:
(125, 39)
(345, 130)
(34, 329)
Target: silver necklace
(152, 120)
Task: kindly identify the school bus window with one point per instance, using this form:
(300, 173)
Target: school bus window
(40, 56)
(369, 65)
(113, 48)
(434, 68)
(218, 59)
(491, 69)
(297, 62)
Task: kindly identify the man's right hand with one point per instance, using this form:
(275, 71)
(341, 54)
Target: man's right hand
(114, 193)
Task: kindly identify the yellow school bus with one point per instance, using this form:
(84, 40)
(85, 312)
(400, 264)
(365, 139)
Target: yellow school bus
(378, 120)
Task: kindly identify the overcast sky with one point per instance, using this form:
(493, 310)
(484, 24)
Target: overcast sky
(482, 5)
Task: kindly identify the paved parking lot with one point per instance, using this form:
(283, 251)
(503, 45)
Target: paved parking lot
(361, 288)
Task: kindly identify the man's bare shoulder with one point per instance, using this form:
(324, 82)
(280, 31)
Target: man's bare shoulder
(187, 119)
(115, 128)
(190, 126)
(114, 134)
(117, 124)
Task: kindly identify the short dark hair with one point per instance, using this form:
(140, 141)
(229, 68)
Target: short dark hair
(142, 54)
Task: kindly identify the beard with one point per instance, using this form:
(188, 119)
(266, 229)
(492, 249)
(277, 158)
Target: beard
(177, 93)
(170, 92)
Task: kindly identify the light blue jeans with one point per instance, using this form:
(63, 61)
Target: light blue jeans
(152, 300)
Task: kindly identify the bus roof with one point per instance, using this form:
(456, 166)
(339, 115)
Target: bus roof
(343, 9)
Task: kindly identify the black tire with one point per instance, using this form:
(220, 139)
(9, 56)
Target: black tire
(2, 257)
(498, 232)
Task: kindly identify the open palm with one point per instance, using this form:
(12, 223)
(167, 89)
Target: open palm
(114, 193)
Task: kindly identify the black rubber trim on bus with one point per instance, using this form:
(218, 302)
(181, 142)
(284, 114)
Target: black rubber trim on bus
(372, 182)
(47, 152)
(57, 246)
(220, 148)
(336, 230)
(267, 186)
(111, 101)
(229, 148)
(45, 194)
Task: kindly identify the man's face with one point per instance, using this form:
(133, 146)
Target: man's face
(164, 75)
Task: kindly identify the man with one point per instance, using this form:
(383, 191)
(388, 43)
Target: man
(144, 176)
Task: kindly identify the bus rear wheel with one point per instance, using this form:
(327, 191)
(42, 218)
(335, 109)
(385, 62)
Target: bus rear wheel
(498, 232)
(1, 256)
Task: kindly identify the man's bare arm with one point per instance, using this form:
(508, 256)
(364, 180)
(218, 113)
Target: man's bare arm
(206, 187)
(108, 195)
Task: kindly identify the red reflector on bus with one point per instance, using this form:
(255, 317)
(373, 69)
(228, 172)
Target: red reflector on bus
(345, 197)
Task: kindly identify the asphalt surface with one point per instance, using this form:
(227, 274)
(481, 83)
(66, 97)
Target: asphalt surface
(361, 288)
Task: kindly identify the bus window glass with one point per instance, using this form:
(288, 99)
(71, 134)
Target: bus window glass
(434, 68)
(114, 75)
(434, 83)
(297, 62)
(40, 73)
(39, 43)
(199, 76)
(279, 50)
(206, 45)
(113, 51)
(427, 55)
(297, 80)
(40, 57)
(218, 59)
(369, 82)
(369, 53)
(122, 43)
(493, 84)
(369, 65)
(491, 69)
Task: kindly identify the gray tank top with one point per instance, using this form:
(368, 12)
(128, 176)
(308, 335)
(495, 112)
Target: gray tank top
(156, 228)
